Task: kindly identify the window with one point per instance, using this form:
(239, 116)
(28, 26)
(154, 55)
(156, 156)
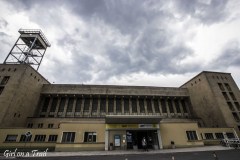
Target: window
(230, 106)
(164, 108)
(25, 138)
(52, 138)
(78, 105)
(86, 105)
(30, 125)
(149, 105)
(184, 106)
(191, 135)
(219, 135)
(5, 80)
(62, 104)
(225, 96)
(170, 106)
(45, 104)
(177, 106)
(208, 136)
(39, 138)
(90, 137)
(103, 105)
(237, 105)
(1, 89)
(54, 104)
(68, 137)
(118, 105)
(221, 86)
(70, 104)
(230, 135)
(134, 105)
(156, 107)
(235, 116)
(227, 86)
(126, 105)
(11, 138)
(50, 125)
(94, 104)
(232, 96)
(110, 105)
(40, 125)
(141, 106)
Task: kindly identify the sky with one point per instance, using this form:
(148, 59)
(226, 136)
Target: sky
(128, 42)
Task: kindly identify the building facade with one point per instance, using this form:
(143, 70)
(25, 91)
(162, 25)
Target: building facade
(67, 117)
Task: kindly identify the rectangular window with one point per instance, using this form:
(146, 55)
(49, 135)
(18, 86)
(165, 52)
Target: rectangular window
(170, 106)
(68, 137)
(86, 105)
(126, 105)
(219, 135)
(156, 106)
(134, 105)
(62, 104)
(103, 105)
(184, 106)
(11, 138)
(110, 105)
(25, 138)
(1, 89)
(45, 104)
(237, 105)
(191, 135)
(5, 80)
(232, 96)
(50, 125)
(149, 105)
(163, 105)
(230, 106)
(90, 137)
(221, 86)
(39, 138)
(208, 136)
(118, 105)
(30, 125)
(227, 86)
(70, 104)
(225, 96)
(230, 135)
(54, 104)
(94, 104)
(141, 105)
(40, 125)
(52, 138)
(78, 105)
(235, 116)
(177, 106)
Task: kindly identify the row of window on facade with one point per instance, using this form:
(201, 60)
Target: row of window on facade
(3, 82)
(39, 125)
(192, 135)
(85, 104)
(67, 137)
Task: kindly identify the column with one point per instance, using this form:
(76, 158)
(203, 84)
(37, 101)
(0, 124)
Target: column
(57, 107)
(145, 105)
(106, 105)
(106, 139)
(98, 107)
(49, 106)
(74, 106)
(168, 112)
(159, 139)
(181, 108)
(114, 105)
(82, 105)
(122, 104)
(160, 106)
(174, 107)
(130, 105)
(138, 108)
(90, 106)
(65, 107)
(153, 107)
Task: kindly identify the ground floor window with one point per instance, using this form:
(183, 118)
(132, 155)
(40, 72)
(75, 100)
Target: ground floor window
(219, 135)
(25, 138)
(90, 137)
(11, 138)
(209, 136)
(68, 137)
(40, 138)
(191, 135)
(230, 135)
(52, 138)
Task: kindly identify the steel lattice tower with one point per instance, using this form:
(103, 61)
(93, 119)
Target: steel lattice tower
(29, 48)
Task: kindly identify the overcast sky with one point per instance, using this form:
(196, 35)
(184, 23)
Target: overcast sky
(128, 42)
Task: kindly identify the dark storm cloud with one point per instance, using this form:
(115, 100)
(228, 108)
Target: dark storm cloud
(229, 57)
(207, 13)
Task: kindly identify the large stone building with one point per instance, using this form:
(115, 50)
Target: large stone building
(66, 117)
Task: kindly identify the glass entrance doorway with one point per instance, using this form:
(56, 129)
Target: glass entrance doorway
(134, 139)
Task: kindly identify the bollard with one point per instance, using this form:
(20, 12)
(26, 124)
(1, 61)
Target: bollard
(215, 156)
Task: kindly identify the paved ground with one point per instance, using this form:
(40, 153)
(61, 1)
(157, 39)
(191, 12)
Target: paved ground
(199, 153)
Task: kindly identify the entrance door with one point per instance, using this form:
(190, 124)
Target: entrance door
(134, 138)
